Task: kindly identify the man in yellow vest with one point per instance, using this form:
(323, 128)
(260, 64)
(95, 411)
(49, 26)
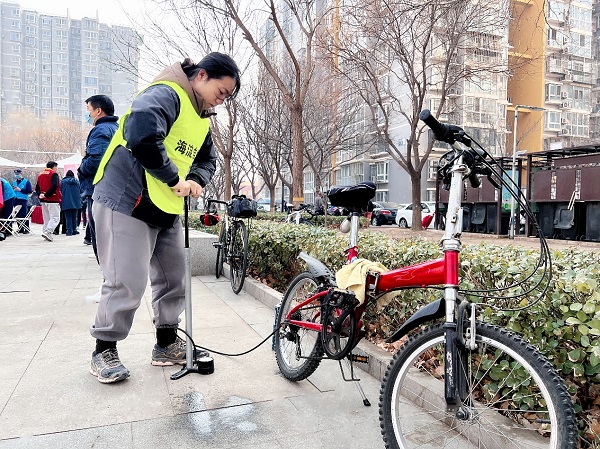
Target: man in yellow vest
(161, 153)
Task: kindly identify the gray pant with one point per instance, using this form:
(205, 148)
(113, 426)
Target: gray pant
(51, 214)
(129, 251)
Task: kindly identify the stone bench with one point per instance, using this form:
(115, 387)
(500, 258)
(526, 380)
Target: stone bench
(202, 253)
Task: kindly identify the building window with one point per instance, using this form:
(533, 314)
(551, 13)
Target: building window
(553, 92)
(15, 84)
(578, 124)
(430, 195)
(382, 171)
(432, 170)
(552, 120)
(309, 182)
(382, 195)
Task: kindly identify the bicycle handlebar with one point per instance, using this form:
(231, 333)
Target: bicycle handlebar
(472, 157)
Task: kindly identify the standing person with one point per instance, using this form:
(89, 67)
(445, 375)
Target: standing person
(319, 207)
(162, 152)
(23, 189)
(48, 191)
(8, 197)
(100, 114)
(71, 201)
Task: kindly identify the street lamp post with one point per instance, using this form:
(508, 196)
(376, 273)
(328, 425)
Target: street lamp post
(512, 223)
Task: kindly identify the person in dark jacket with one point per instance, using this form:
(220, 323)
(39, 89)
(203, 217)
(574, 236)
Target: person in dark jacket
(49, 194)
(161, 153)
(71, 201)
(100, 114)
(23, 189)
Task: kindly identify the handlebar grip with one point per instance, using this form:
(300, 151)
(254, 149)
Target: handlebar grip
(474, 180)
(440, 131)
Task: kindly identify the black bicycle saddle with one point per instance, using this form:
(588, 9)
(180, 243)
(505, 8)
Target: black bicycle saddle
(355, 198)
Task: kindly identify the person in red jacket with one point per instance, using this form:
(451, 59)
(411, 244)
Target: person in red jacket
(48, 190)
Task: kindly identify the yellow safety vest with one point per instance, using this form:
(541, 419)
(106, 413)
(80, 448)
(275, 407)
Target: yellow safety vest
(182, 143)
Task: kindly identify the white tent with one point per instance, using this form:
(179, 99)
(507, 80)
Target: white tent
(70, 163)
(7, 163)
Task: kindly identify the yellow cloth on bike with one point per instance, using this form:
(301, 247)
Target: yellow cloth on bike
(353, 277)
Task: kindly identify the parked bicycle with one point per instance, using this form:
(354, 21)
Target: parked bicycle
(298, 216)
(459, 383)
(232, 247)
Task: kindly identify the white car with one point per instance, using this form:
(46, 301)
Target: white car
(404, 214)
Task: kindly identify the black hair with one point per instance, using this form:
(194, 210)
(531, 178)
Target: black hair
(70, 174)
(103, 102)
(51, 164)
(217, 65)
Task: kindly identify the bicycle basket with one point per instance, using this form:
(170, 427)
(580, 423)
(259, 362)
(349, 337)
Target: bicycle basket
(209, 219)
(241, 208)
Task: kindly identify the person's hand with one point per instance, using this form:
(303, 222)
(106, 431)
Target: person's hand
(195, 189)
(41, 196)
(16, 189)
(182, 188)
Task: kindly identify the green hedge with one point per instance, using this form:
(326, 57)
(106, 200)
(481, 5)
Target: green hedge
(565, 325)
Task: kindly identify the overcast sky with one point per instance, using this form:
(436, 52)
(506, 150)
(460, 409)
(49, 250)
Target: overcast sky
(112, 12)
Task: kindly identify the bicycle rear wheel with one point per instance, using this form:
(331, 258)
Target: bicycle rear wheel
(515, 398)
(221, 248)
(238, 256)
(298, 351)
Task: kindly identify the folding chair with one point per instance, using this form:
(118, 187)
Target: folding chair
(6, 223)
(24, 222)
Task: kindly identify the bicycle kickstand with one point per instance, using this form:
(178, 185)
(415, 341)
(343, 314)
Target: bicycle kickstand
(356, 381)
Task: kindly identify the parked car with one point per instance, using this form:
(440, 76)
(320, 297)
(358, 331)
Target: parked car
(404, 214)
(263, 204)
(384, 212)
(334, 210)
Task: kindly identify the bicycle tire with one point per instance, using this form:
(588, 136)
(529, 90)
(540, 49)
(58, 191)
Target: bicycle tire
(238, 255)
(221, 252)
(413, 410)
(298, 351)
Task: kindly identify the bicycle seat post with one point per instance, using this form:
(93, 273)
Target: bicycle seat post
(354, 223)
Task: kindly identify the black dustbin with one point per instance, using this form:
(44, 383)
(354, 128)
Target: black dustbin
(592, 219)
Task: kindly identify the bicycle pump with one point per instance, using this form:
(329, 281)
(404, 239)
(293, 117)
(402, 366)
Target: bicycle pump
(205, 364)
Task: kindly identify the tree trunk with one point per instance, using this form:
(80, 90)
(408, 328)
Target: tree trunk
(298, 156)
(417, 216)
(227, 168)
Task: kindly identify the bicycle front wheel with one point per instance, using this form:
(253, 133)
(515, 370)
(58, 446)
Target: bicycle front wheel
(221, 248)
(298, 351)
(514, 398)
(238, 257)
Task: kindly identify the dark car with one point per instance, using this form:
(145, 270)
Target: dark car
(384, 213)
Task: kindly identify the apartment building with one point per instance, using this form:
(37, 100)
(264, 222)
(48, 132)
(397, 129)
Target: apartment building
(53, 63)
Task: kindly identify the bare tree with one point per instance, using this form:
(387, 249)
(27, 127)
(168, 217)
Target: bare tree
(289, 42)
(267, 128)
(29, 140)
(401, 53)
(331, 113)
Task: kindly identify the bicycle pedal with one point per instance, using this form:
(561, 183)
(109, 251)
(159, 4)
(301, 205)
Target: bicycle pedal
(360, 358)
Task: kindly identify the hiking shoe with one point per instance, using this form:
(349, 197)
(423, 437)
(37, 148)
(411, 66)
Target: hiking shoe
(107, 367)
(47, 235)
(174, 354)
(87, 242)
